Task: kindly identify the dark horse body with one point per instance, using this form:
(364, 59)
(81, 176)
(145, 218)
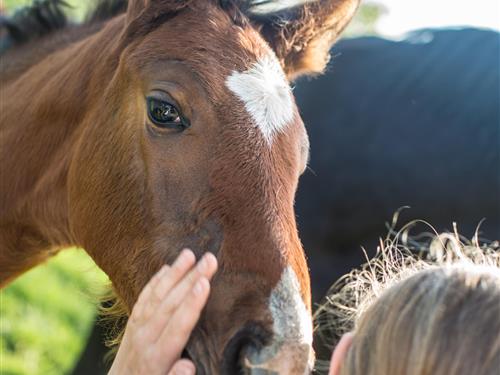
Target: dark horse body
(412, 123)
(394, 123)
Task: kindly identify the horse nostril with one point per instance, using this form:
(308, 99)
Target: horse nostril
(252, 337)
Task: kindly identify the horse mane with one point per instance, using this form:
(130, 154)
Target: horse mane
(44, 17)
(34, 21)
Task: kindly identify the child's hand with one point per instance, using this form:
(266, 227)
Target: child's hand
(163, 317)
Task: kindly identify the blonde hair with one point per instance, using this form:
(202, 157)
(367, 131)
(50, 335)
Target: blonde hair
(414, 316)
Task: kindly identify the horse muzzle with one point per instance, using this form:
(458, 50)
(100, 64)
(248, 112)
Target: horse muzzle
(250, 352)
(287, 358)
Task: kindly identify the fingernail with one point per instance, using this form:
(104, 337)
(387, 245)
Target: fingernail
(212, 257)
(203, 263)
(200, 286)
(183, 256)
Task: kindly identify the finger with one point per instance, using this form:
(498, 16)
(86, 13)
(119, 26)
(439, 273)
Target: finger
(169, 279)
(180, 267)
(151, 285)
(183, 367)
(179, 327)
(206, 267)
(146, 293)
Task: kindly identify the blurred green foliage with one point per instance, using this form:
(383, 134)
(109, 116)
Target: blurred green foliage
(77, 8)
(46, 315)
(365, 21)
(11, 4)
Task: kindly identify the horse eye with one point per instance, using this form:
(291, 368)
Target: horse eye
(165, 115)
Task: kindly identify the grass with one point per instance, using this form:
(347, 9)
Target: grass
(46, 315)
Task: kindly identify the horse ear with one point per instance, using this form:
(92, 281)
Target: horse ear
(302, 35)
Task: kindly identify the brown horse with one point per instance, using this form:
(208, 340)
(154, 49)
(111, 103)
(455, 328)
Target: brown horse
(170, 126)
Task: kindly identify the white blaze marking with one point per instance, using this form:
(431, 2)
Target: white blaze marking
(291, 319)
(290, 351)
(266, 94)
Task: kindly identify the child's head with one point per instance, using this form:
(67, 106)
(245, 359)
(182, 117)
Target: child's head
(415, 317)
